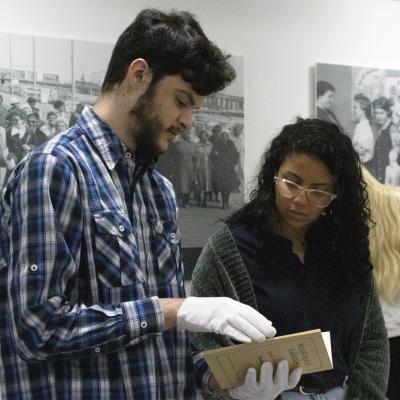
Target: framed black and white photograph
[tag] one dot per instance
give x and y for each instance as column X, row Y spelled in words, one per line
column 365, row 104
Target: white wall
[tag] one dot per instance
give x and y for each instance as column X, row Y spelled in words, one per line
column 280, row 39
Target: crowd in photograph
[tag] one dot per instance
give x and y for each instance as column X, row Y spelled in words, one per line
column 205, row 165
column 376, row 135
column 24, row 126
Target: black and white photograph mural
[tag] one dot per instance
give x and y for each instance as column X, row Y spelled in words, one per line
column 45, row 84
column 365, row 104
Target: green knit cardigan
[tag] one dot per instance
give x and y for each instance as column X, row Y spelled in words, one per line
column 220, row 271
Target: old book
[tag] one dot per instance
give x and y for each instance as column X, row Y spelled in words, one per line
column 310, row 350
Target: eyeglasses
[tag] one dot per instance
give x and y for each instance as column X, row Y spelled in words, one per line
column 317, row 198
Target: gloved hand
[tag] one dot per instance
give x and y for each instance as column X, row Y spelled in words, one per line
column 225, row 316
column 267, row 387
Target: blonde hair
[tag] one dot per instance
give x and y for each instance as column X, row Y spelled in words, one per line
column 384, row 236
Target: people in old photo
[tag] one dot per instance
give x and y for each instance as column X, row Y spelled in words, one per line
column 325, row 99
column 60, row 109
column 383, row 143
column 17, row 134
column 49, row 127
column 238, row 140
column 32, row 102
column 76, row 114
column 225, row 157
column 392, row 172
column 363, row 137
column 185, row 150
column 7, row 160
column 60, row 125
column 368, row 105
column 215, row 139
column 3, row 112
column 35, row 136
column 14, row 103
column 203, row 168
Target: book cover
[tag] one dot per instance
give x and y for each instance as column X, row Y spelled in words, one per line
column 310, row 350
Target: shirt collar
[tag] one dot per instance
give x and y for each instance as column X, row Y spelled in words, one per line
column 107, row 142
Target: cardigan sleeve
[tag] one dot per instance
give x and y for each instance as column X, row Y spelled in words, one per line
column 370, row 363
column 220, row 272
column 208, row 280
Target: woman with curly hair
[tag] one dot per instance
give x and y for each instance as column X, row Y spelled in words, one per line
column 385, row 256
column 298, row 252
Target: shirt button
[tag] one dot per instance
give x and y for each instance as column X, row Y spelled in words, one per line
column 143, row 324
column 173, row 238
column 97, row 349
column 121, row 228
column 34, row 267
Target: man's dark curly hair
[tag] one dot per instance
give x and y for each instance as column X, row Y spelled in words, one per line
column 340, row 237
column 172, row 44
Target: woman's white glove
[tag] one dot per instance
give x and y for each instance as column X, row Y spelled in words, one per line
column 267, row 387
column 225, row 316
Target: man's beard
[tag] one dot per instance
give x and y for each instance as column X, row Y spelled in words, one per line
column 148, row 126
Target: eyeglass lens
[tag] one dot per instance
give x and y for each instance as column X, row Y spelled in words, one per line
column 317, row 198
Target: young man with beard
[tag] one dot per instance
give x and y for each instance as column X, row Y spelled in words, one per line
column 91, row 278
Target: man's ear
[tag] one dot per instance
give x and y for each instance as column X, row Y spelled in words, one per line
column 139, row 74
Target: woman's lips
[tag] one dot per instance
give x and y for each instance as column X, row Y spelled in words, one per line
column 297, row 213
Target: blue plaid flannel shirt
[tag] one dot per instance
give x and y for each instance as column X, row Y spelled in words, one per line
column 89, row 243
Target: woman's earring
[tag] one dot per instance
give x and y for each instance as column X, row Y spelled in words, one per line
column 327, row 212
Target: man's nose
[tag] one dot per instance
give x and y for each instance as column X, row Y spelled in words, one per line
column 186, row 119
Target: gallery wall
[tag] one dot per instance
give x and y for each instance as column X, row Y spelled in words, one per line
column 281, row 41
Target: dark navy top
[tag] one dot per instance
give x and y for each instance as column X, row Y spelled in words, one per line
column 298, row 297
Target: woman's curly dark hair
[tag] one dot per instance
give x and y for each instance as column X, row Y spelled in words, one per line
column 341, row 234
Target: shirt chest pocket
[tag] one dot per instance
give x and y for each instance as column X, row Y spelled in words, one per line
column 115, row 254
column 166, row 250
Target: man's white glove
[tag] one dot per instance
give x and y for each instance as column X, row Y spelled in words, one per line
column 225, row 316
column 267, row 387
